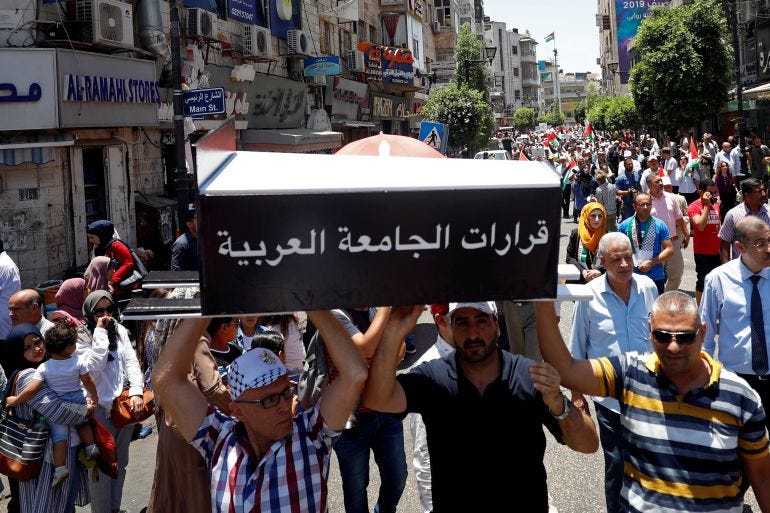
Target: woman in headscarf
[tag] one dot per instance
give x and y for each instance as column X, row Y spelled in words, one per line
column 25, row 351
column 98, row 274
column 101, row 235
column 69, row 300
column 110, row 375
column 584, row 240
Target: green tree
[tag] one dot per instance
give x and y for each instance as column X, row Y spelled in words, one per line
column 620, row 113
column 469, row 48
column 464, row 110
column 685, row 59
column 585, row 105
column 554, row 117
column 524, row 117
column 596, row 114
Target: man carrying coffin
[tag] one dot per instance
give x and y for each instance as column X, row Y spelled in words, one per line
column 483, row 410
column 262, row 458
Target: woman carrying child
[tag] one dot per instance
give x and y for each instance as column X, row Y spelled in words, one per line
column 63, row 372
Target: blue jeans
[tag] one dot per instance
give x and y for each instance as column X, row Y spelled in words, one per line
column 612, row 445
column 383, row 433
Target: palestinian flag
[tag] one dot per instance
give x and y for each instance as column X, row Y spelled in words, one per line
column 570, row 169
column 589, row 132
column 552, row 141
column 693, row 149
column 694, row 158
column 550, row 37
column 522, row 155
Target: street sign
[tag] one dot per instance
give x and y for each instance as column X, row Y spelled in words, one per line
column 434, row 135
column 199, row 103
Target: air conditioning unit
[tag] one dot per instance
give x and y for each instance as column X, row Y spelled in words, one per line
column 298, row 42
column 106, row 22
column 200, row 23
column 257, row 41
column 436, row 26
column 354, row 60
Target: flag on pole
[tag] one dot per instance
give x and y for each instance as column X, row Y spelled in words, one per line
column 589, row 132
column 693, row 149
column 570, row 168
column 694, row 158
column 552, row 141
column 550, row 37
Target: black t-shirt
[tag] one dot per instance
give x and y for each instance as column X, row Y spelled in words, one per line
column 486, row 452
column 225, row 358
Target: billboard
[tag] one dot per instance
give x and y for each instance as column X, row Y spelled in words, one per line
column 630, row 14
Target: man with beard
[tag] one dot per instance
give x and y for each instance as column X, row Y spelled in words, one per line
column 483, row 409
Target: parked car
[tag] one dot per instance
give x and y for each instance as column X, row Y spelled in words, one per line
column 493, row 154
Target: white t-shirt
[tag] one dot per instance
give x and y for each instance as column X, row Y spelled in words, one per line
column 62, row 376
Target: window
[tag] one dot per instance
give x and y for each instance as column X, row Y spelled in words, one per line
column 416, row 49
column 515, row 72
column 327, row 38
column 515, row 50
column 346, row 41
column 517, row 94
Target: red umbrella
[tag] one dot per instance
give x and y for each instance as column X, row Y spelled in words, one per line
column 387, row 145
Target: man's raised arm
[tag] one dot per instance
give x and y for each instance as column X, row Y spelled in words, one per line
column 575, row 374
column 342, row 394
column 181, row 399
column 382, row 392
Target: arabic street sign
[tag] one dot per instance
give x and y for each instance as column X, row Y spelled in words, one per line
column 199, row 103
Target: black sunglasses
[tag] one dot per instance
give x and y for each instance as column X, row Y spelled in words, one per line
column 273, row 399
column 682, row 337
column 105, row 310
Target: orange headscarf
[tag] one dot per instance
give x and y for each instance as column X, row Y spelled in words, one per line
column 588, row 236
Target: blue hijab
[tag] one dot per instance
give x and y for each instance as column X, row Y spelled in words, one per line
column 14, row 348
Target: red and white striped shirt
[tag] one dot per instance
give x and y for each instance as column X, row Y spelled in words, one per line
column 291, row 477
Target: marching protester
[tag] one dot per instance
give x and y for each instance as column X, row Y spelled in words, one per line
column 681, row 411
column 248, row 451
column 754, row 204
column 584, row 240
column 496, row 403
column 736, row 303
column 614, row 322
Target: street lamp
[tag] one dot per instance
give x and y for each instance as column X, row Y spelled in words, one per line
column 489, row 52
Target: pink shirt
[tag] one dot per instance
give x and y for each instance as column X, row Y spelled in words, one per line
column 666, row 209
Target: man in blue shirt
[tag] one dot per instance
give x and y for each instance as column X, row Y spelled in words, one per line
column 650, row 241
column 613, row 323
column 627, row 184
column 184, row 251
column 726, row 307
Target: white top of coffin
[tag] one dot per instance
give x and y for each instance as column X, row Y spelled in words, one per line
column 246, row 172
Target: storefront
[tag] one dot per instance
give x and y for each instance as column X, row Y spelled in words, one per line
column 390, row 113
column 90, row 143
column 348, row 102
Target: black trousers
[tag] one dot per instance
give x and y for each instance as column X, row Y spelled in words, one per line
column 762, row 385
column 566, row 195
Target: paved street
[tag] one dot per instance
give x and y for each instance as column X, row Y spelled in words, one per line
column 575, row 480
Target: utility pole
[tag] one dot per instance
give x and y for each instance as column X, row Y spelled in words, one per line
column 731, row 6
column 182, row 182
column 556, row 76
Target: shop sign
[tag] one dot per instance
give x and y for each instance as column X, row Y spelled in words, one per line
column 27, row 89
column 387, row 64
column 732, row 105
column 326, row 65
column 389, row 107
column 246, row 11
column 98, row 90
column 349, row 98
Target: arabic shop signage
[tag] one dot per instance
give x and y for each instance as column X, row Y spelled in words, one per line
column 376, row 248
column 326, row 65
column 386, row 106
column 349, row 98
column 387, row 64
column 204, row 102
column 27, row 89
column 98, row 90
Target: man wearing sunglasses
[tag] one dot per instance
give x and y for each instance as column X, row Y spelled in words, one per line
column 736, row 307
column 262, row 458
column 691, row 427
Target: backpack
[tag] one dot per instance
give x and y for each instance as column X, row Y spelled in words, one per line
column 140, row 271
column 315, row 373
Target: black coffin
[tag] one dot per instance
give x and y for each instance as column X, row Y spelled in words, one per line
column 289, row 232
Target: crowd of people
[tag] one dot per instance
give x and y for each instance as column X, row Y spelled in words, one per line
column 249, row 413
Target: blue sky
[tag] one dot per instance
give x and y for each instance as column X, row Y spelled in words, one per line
column 573, row 21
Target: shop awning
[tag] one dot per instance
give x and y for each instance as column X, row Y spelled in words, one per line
column 764, row 88
column 294, row 140
column 35, row 148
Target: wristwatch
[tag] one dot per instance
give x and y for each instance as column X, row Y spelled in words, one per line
column 567, row 409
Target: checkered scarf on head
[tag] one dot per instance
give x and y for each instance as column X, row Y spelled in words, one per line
column 253, row 369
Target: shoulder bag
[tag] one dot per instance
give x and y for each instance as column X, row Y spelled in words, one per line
column 22, row 442
column 123, row 415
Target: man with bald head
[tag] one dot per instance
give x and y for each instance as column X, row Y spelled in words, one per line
column 26, row 306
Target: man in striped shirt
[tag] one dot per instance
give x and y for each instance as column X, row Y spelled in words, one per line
column 691, row 427
column 262, row 458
